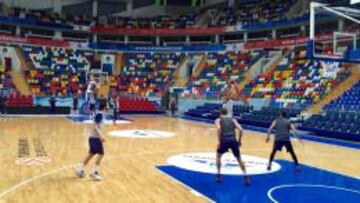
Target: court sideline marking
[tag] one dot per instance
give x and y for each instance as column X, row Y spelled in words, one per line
column 192, row 190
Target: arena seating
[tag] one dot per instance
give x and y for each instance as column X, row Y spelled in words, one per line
column 256, row 12
column 138, row 105
column 340, row 119
column 18, row 100
column 335, row 124
column 265, row 116
column 56, row 70
column 349, row 101
column 245, row 114
column 211, row 111
column 146, row 74
column 249, row 13
column 297, row 82
column 219, row 69
column 172, row 22
column 50, row 17
column 6, row 80
column 14, row 98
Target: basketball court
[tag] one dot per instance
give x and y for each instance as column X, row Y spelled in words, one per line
column 143, row 165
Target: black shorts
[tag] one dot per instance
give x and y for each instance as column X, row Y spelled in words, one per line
column 279, row 144
column 115, row 114
column 92, row 107
column 227, row 144
column 96, row 146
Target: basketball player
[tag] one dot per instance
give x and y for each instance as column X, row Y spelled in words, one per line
column 3, row 104
column 96, row 141
column 226, row 134
column 282, row 127
column 116, row 108
column 92, row 103
column 52, row 102
column 75, row 101
column 172, row 106
column 229, row 106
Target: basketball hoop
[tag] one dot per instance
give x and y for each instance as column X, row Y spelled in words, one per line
column 340, row 44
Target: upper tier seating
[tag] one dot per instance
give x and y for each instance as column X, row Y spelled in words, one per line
column 182, row 21
column 349, row 101
column 172, row 22
column 263, row 11
column 245, row 14
column 146, row 74
column 56, row 70
column 220, row 68
column 51, row 17
column 297, row 82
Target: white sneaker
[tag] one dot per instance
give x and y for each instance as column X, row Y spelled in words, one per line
column 96, row 176
column 80, row 173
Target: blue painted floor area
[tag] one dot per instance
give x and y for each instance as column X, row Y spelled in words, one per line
column 311, row 185
column 82, row 117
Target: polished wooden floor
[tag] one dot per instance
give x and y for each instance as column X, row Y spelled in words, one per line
column 129, row 164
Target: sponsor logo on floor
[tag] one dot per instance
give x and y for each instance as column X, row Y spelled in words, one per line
column 205, row 162
column 37, row 156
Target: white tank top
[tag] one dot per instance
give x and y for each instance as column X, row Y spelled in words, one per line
column 93, row 133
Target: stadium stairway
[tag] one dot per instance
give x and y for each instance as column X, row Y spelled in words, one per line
column 18, row 76
column 340, row 90
column 23, row 63
column 201, row 65
column 202, row 20
column 297, row 8
column 20, row 83
column 118, row 63
column 250, row 75
column 180, row 80
column 268, row 67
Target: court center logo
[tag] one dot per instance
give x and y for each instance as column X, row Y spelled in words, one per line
column 142, row 134
column 205, row 162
